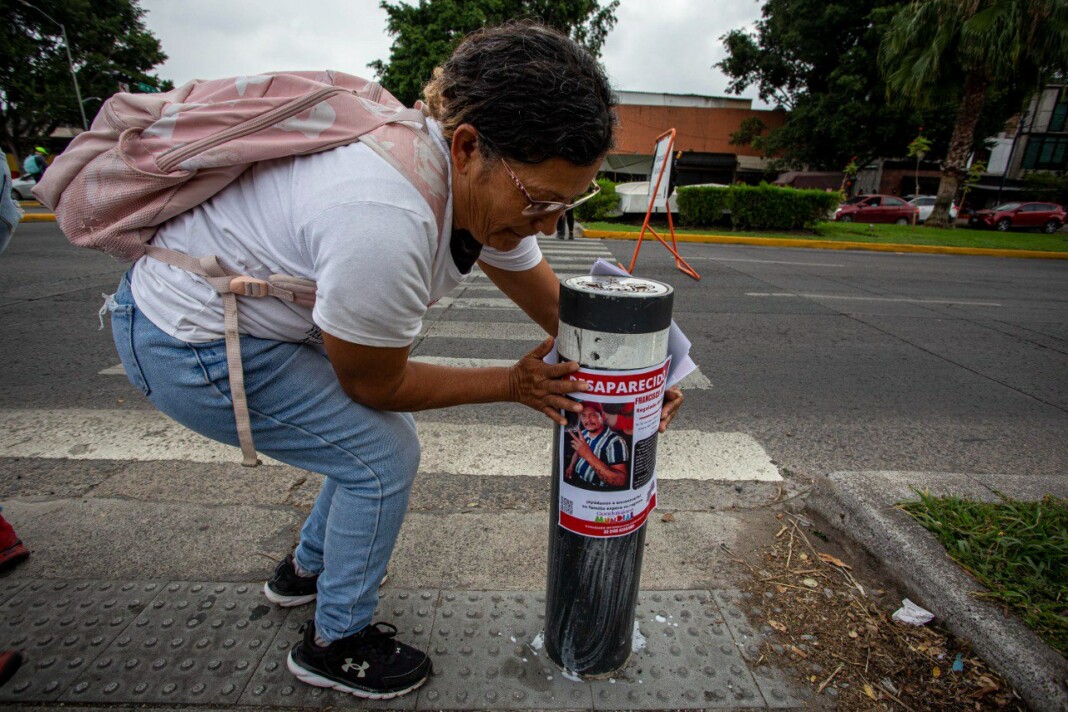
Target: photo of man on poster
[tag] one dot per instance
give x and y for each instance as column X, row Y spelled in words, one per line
column 600, row 457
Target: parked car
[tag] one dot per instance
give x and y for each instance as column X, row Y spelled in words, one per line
column 876, row 209
column 1047, row 217
column 926, row 205
column 21, row 187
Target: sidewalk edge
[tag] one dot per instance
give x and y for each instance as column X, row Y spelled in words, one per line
column 919, row 564
column 836, row 245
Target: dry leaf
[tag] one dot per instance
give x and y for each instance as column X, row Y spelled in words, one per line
column 668, row 517
column 777, row 626
column 869, row 691
column 835, row 561
column 986, row 686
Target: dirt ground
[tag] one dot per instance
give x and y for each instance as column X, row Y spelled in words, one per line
column 827, row 621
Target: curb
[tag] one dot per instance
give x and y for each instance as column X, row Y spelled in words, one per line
column 836, row 245
column 861, row 507
column 38, row 217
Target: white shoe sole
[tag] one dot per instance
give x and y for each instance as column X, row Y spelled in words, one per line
column 286, row 601
column 311, row 678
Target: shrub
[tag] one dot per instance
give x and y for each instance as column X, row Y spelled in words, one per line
column 604, row 205
column 702, row 207
column 761, row 207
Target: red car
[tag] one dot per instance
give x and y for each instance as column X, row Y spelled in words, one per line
column 1047, row 217
column 876, row 209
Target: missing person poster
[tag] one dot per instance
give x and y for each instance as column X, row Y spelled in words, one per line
column 608, row 451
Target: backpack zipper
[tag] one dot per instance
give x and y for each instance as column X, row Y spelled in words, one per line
column 180, row 153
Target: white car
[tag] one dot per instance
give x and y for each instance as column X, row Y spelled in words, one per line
column 926, row 205
column 21, row 187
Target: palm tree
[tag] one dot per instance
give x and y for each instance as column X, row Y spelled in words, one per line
column 971, row 48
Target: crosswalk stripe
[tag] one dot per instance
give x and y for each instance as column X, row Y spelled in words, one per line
column 581, row 253
column 476, row 303
column 482, row 275
column 463, row 449
column 504, row 331
column 694, row 381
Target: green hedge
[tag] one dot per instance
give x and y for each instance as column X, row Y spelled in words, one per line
column 604, row 205
column 760, row 207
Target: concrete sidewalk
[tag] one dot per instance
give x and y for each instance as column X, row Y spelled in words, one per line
column 145, row 587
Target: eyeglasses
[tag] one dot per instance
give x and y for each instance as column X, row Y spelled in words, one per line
column 541, row 208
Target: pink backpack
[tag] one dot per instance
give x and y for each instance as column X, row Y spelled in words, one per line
column 150, row 157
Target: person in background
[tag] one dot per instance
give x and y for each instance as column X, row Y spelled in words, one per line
column 35, row 164
column 566, row 220
column 12, row 550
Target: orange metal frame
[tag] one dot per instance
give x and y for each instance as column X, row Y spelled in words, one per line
column 673, row 248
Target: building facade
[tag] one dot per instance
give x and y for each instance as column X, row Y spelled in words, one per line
column 703, row 127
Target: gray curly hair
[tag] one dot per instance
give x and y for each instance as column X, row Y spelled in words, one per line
column 531, row 92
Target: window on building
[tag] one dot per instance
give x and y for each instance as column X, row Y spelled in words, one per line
column 1060, row 111
column 1046, row 153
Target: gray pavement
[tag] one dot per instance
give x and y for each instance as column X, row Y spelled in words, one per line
column 821, row 361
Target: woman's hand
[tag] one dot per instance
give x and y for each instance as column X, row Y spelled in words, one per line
column 544, row 386
column 672, row 402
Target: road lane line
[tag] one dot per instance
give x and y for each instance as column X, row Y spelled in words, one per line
column 456, row 448
column 766, row 262
column 873, row 299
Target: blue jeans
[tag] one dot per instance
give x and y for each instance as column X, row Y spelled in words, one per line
column 300, row 416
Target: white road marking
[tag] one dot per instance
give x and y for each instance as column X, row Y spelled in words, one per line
column 502, row 450
column 577, row 253
column 482, row 275
column 873, row 299
column 766, row 262
column 695, row 381
column 477, row 303
column 505, row 331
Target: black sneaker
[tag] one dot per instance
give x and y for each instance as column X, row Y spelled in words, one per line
column 286, row 588
column 369, row 664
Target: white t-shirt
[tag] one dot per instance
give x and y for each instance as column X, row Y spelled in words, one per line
column 346, row 219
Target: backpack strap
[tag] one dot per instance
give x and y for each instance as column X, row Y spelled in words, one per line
column 230, row 285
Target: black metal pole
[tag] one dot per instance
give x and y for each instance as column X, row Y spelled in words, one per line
column 607, row 324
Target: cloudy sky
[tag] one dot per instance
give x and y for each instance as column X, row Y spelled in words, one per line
column 665, row 46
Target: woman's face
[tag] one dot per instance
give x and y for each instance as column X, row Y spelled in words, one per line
column 488, row 203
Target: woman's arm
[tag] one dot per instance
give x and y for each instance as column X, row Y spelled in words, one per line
column 536, row 291
column 385, row 379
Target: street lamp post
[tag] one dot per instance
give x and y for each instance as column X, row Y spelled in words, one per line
column 70, row 61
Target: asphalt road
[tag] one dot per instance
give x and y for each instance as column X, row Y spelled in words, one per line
column 830, row 360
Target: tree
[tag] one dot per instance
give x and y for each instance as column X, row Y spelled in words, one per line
column 817, row 59
column 972, row 49
column 918, row 148
column 109, row 44
column 424, row 35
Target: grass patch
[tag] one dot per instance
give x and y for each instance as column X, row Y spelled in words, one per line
column 1019, row 550
column 885, row 234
